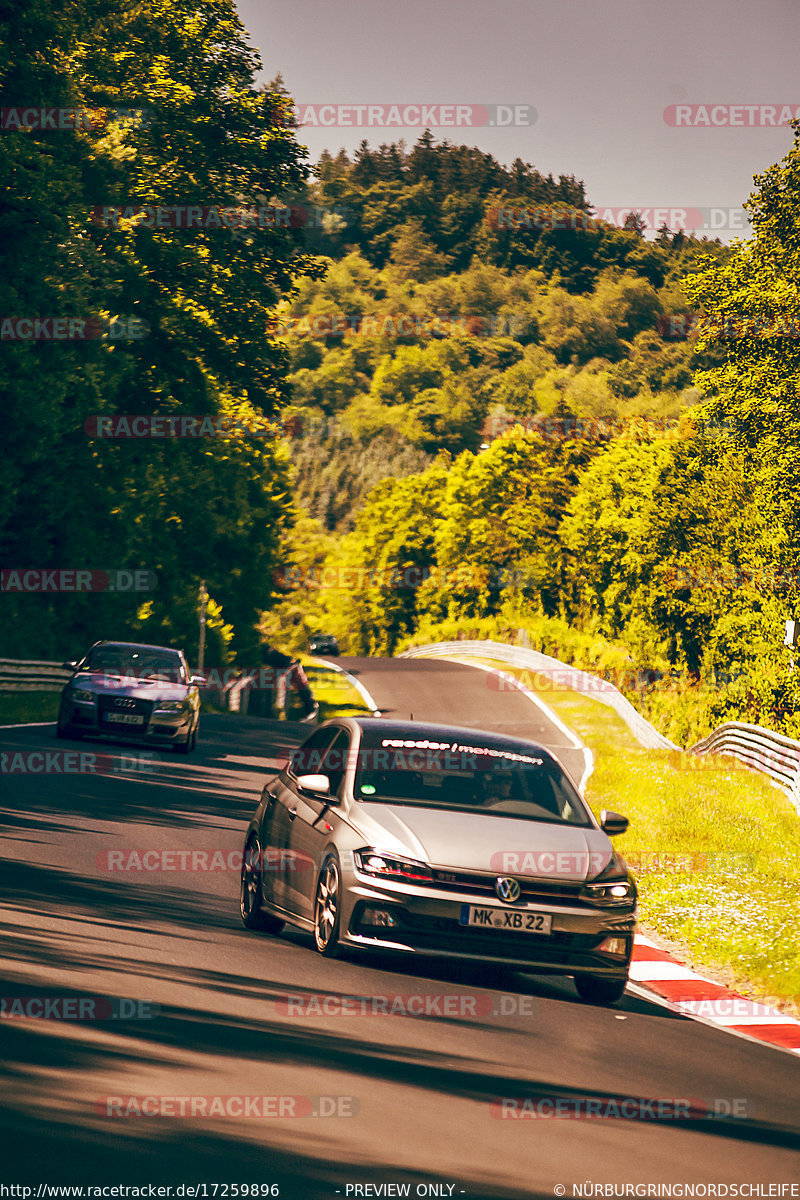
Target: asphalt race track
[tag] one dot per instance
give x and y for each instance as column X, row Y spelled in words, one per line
column 399, row 1099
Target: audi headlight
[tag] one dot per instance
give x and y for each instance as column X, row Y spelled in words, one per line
column 84, row 696
column 170, row 705
column 386, row 866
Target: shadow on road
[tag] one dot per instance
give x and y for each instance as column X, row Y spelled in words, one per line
column 53, row 1136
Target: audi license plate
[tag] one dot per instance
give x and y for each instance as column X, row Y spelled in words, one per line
column 505, row 918
column 124, row 719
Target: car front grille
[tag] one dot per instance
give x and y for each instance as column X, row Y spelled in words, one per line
column 534, row 891
column 559, row 948
column 108, row 705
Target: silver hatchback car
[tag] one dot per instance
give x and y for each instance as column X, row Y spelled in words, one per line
column 433, row 840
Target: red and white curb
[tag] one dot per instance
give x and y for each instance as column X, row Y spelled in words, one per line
column 684, row 991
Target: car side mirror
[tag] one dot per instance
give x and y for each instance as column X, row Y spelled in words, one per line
column 69, row 666
column 317, row 785
column 612, row 823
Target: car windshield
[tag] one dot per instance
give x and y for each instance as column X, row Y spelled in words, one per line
column 138, row 664
column 492, row 778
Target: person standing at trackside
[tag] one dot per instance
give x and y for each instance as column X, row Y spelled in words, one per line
column 295, row 677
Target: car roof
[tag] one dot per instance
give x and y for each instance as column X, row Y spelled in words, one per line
column 416, row 730
column 135, row 646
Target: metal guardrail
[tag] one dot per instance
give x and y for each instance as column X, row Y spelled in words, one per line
column 561, row 674
column 40, row 676
column 760, row 749
column 17, row 676
column 755, row 747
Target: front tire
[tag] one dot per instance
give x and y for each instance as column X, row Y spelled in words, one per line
column 253, row 916
column 66, row 731
column 595, row 989
column 327, row 908
column 190, row 743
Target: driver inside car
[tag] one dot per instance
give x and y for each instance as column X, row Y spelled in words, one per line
column 496, row 788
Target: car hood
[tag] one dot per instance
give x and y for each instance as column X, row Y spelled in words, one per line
column 480, row 842
column 124, row 685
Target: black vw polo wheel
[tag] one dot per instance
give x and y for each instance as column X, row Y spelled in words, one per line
column 253, row 916
column 327, row 908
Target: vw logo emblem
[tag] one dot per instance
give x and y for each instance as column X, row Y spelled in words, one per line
column 507, row 889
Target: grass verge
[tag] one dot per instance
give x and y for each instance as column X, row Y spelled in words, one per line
column 17, row 708
column 333, row 691
column 715, row 849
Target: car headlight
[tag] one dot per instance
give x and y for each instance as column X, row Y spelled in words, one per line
column 84, row 696
column 610, row 890
column 385, row 866
column 170, row 705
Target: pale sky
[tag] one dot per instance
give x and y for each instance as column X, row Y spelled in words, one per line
column 598, row 74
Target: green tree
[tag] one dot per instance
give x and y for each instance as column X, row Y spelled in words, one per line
column 187, row 510
column 382, row 565
column 751, row 309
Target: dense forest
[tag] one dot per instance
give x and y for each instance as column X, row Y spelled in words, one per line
column 160, row 112
column 461, row 297
column 613, row 444
column 448, row 397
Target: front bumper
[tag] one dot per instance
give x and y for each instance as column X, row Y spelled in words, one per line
column 428, row 924
column 154, row 728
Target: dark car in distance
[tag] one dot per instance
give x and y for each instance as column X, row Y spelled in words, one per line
column 323, row 643
column 133, row 692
